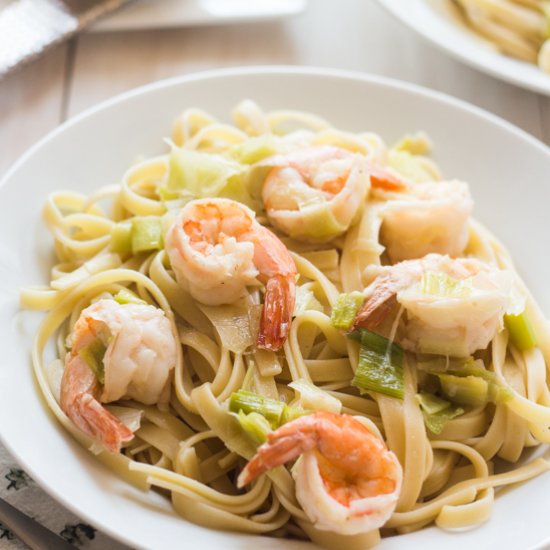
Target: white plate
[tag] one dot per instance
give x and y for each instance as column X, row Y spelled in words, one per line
column 508, row 171
column 146, row 14
column 438, row 21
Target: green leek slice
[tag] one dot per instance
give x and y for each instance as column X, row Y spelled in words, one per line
column 167, row 195
column 146, row 234
column 254, row 425
column 92, row 355
column 293, row 412
column 380, row 366
column 199, row 174
column 124, row 296
column 254, row 149
column 431, row 403
column 121, row 238
column 237, row 189
column 434, row 364
column 437, row 412
column 441, row 284
column 521, row 332
column 318, row 223
column 466, row 381
column 465, row 390
column 249, row 402
column 345, row 309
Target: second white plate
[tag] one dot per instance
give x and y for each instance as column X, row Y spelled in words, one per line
column 437, row 21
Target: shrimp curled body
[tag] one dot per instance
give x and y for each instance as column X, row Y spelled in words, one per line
column 347, row 481
column 315, row 194
column 457, row 313
column 217, row 249
column 140, row 352
column 429, row 217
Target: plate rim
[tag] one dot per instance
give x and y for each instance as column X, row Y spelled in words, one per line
column 350, row 75
column 390, row 8
column 313, row 70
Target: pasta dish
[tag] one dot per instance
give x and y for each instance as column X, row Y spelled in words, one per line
column 293, row 330
column 519, row 28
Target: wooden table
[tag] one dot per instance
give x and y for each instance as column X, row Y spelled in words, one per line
column 346, row 34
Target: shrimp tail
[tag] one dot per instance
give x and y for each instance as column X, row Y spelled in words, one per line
column 93, row 419
column 279, row 449
column 374, row 311
column 79, row 388
column 378, row 304
column 280, row 295
column 382, row 179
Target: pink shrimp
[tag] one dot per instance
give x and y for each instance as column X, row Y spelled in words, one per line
column 381, row 294
column 347, row 480
column 454, row 306
column 140, row 352
column 217, row 249
column 429, row 217
column 420, row 218
column 316, row 193
column 80, row 394
column 384, row 180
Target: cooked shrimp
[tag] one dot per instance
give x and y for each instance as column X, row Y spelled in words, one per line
column 347, row 481
column 385, row 180
column 217, row 249
column 140, row 352
column 453, row 306
column 429, row 217
column 316, row 193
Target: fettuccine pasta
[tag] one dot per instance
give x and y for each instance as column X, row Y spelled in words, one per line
column 519, row 28
column 282, row 292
